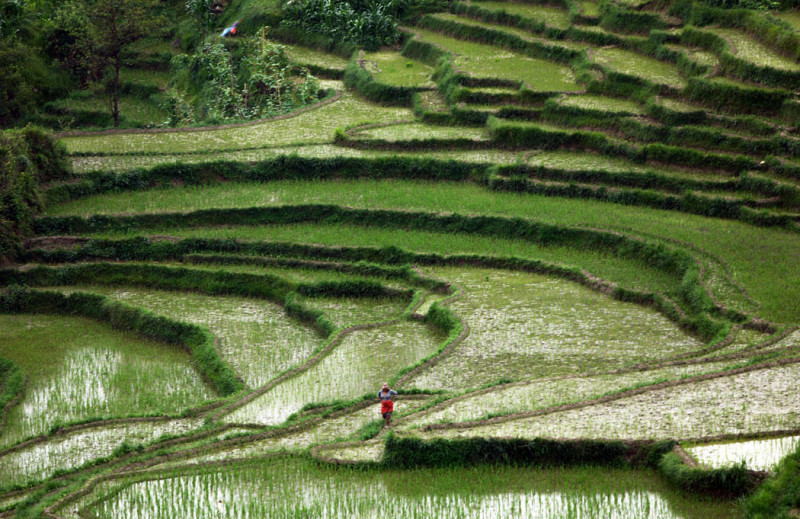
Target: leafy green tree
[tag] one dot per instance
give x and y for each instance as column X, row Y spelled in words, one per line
column 202, row 13
column 115, row 25
column 89, row 38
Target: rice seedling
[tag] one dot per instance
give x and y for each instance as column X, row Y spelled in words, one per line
column 626, row 272
column 313, row 126
column 351, row 311
column 628, row 62
column 433, row 101
column 358, row 365
column 750, row 49
column 75, row 449
column 329, row 431
column 395, row 69
column 761, row 258
column 256, row 337
column 791, row 17
column 702, row 57
column 78, row 369
column 525, row 326
column 552, row 16
column 544, row 393
column 602, row 103
column 589, row 8
column 756, row 454
column 305, row 55
column 484, row 61
column 411, row 131
column 753, row 402
column 279, row 488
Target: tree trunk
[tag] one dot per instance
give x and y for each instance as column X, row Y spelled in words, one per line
column 115, row 107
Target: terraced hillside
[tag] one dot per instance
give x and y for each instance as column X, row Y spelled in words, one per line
column 568, row 234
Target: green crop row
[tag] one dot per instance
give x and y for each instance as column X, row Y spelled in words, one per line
column 361, row 268
column 638, row 130
column 736, row 99
column 754, row 23
column 738, row 67
column 361, row 80
column 515, row 135
column 688, row 203
column 618, row 19
column 198, row 341
column 12, row 382
column 263, row 286
column 415, row 168
column 342, row 138
column 572, row 33
column 657, row 256
column 408, row 453
column 294, row 36
column 498, row 38
column 732, row 481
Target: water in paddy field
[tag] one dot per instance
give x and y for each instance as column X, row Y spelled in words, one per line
column 295, row 488
column 762, row 454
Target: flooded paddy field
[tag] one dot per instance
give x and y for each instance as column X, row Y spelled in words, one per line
column 256, row 337
column 524, row 326
column 754, row 402
column 80, row 369
column 358, row 366
column 291, row 487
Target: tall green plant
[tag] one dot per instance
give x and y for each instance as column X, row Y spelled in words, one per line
column 256, row 81
column 368, row 23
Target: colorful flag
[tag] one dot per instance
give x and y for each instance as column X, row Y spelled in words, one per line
column 231, row 29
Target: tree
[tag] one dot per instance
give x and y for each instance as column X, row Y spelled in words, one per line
column 114, row 25
column 202, row 13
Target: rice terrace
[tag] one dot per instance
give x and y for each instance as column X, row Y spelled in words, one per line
column 400, row 258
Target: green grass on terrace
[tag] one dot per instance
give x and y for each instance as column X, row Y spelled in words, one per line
column 395, row 69
column 313, row 126
column 750, row 49
column 486, row 61
column 304, row 55
column 122, row 163
column 763, row 259
column 589, row 9
column 629, row 62
column 703, row 57
column 552, row 16
column 628, row 273
column 517, row 31
column 791, row 17
column 402, row 132
column 603, row 103
column 132, row 108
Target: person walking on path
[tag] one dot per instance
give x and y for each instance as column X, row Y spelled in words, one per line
column 387, row 405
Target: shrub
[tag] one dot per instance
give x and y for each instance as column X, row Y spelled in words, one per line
column 28, row 158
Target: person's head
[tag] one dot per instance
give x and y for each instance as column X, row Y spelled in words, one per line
column 385, row 387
